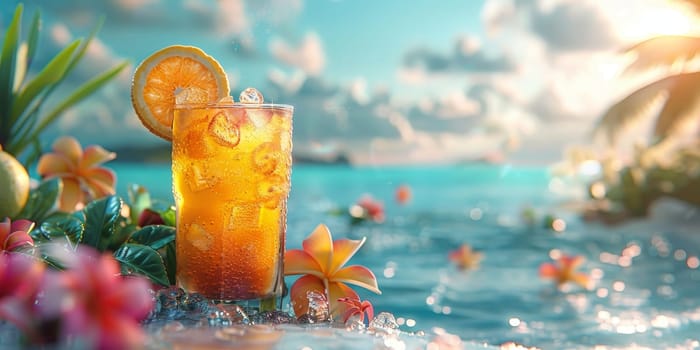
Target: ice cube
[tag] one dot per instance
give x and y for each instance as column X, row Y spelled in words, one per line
column 191, row 95
column 251, row 96
column 319, row 309
column 272, row 189
column 224, row 129
column 259, row 116
column 199, row 237
column 201, row 179
column 227, row 315
column 243, row 215
column 265, row 158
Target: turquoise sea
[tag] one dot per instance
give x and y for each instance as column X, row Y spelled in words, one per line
column 647, row 290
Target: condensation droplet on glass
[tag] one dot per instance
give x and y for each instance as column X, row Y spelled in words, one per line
column 251, row 96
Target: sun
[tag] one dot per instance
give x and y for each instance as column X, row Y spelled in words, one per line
column 659, row 20
column 669, row 21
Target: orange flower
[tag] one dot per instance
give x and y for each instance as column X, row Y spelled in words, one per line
column 15, row 235
column 357, row 308
column 564, row 271
column 465, row 258
column 403, row 194
column 83, row 180
column 321, row 262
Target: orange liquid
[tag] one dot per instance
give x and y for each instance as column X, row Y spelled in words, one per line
column 231, row 178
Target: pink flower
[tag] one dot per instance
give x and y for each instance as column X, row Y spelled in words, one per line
column 20, row 281
column 368, row 208
column 101, row 307
column 15, row 235
column 357, row 307
column 83, row 180
column 321, row 262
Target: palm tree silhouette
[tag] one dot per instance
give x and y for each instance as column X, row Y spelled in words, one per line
column 673, row 170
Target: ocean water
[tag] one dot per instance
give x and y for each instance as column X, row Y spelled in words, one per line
column 647, row 283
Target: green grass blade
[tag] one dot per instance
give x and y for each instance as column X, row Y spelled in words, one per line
column 33, row 38
column 51, row 74
column 8, row 59
column 79, row 94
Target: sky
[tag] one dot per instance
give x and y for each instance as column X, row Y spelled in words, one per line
column 388, row 82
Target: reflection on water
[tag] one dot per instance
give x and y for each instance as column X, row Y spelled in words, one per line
column 646, row 273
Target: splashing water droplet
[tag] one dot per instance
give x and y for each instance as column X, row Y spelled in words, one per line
column 251, row 96
column 384, row 322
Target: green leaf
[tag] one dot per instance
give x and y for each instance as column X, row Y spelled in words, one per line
column 122, row 232
column 142, row 260
column 41, row 200
column 49, row 75
column 154, row 236
column 33, row 38
column 166, row 212
column 171, row 262
column 63, row 226
column 100, row 221
column 78, row 95
column 8, row 60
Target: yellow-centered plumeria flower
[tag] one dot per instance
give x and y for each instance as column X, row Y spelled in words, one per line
column 83, row 179
column 321, row 262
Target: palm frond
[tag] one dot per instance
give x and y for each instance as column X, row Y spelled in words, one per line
column 681, row 107
column 630, row 110
column 680, row 94
column 664, row 50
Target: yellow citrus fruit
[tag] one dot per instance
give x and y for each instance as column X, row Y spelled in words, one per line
column 14, row 185
column 168, row 71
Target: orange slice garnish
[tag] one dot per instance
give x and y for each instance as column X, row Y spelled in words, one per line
column 163, row 74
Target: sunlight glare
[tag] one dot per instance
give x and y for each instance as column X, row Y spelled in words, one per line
column 665, row 20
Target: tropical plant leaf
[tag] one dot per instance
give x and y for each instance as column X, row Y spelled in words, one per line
column 142, row 260
column 8, row 60
column 52, row 73
column 631, row 110
column 170, row 262
column 166, row 212
column 682, row 106
column 154, row 236
column 63, row 226
column 33, row 38
column 100, row 220
column 41, row 200
column 665, row 50
column 78, row 95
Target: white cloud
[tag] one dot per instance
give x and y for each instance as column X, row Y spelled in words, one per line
column 308, row 55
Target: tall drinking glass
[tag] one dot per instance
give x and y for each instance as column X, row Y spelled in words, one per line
column 231, row 166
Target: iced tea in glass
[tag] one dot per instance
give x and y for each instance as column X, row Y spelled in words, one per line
column 231, row 166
